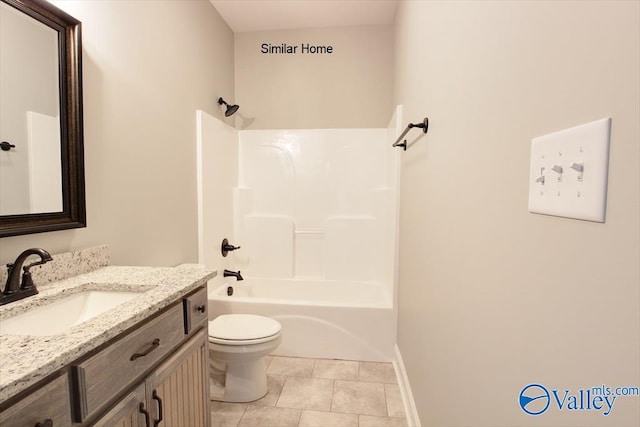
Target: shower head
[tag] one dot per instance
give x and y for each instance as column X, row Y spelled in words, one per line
column 230, row 108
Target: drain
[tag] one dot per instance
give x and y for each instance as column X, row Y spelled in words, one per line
column 229, row 291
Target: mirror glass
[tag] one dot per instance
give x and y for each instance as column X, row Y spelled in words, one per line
column 31, row 170
column 41, row 138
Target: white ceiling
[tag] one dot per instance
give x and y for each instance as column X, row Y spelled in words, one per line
column 261, row 15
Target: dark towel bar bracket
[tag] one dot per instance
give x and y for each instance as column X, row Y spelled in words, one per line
column 424, row 126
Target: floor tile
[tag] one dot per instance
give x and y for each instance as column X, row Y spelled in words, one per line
column 336, row 369
column 377, row 372
column 318, row 393
column 226, row 414
column 291, row 366
column 395, row 407
column 369, row 421
column 354, row 397
column 306, row 393
column 264, row 416
column 274, row 385
column 327, row 419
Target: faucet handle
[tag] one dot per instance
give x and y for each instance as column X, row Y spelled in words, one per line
column 27, row 281
column 226, row 247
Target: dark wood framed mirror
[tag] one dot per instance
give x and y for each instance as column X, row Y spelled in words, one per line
column 68, row 209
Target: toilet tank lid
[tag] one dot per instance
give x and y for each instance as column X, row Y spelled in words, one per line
column 243, row 327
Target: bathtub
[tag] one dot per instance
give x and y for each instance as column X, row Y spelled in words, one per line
column 320, row 319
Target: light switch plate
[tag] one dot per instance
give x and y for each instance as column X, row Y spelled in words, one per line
column 569, row 171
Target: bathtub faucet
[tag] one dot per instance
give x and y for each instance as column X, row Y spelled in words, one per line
column 228, row 273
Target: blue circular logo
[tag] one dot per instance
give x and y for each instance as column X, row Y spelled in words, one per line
column 534, row 399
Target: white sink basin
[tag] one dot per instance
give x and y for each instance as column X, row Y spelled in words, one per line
column 61, row 315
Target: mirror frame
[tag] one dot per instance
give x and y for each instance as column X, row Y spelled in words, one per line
column 73, row 213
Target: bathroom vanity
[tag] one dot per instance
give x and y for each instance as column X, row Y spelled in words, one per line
column 142, row 363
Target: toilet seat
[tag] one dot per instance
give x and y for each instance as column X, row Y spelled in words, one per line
column 242, row 329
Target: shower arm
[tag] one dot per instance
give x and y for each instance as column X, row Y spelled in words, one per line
column 424, row 126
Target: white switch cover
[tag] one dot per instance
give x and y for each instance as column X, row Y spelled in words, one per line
column 569, row 171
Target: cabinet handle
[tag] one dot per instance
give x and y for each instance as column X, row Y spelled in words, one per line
column 156, row 397
column 46, row 423
column 147, row 418
column 201, row 308
column 155, row 344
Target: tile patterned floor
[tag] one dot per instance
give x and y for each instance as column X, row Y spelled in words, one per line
column 319, row 393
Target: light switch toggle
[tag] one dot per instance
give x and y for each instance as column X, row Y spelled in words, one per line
column 578, row 167
column 558, row 169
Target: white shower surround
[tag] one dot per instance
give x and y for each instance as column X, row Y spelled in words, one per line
column 315, row 212
column 317, row 204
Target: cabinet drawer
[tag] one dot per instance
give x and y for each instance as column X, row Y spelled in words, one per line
column 49, row 402
column 195, row 310
column 107, row 374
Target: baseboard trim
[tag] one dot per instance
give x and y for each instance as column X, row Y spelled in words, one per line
column 405, row 390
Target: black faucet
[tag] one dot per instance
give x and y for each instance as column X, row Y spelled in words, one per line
column 228, row 273
column 14, row 290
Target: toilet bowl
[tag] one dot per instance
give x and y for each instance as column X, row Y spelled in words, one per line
column 239, row 342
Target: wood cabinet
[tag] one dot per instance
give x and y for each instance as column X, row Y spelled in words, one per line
column 111, row 371
column 180, row 386
column 130, row 411
column 175, row 394
column 49, row 405
column 154, row 375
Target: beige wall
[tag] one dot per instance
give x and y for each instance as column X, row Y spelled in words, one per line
column 348, row 88
column 491, row 297
column 148, row 66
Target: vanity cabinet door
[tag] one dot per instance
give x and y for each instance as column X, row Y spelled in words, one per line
column 179, row 389
column 48, row 406
column 131, row 411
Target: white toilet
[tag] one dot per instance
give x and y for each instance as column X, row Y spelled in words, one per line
column 240, row 341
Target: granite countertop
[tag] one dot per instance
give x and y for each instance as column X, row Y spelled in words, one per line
column 28, row 359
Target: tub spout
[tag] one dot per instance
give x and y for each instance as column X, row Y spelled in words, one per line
column 237, row 275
